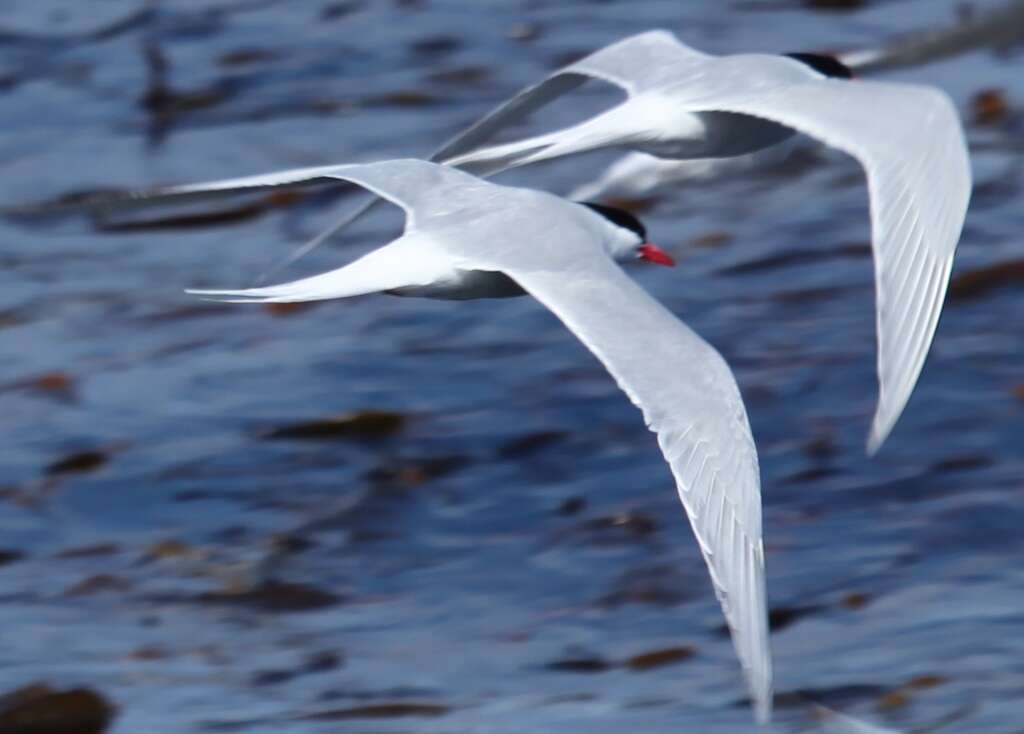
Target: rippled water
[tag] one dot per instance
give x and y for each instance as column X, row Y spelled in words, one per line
column 496, row 546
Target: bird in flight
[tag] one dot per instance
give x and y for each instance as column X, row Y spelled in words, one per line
column 684, row 104
column 467, row 238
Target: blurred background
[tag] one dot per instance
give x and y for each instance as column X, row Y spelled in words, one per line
column 399, row 515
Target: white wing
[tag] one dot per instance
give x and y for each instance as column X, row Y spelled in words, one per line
column 411, row 184
column 634, row 64
column 911, row 144
column 690, row 400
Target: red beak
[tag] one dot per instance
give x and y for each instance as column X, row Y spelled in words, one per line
column 654, row 254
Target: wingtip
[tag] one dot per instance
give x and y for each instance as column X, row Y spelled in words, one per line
column 764, row 694
column 880, row 429
column 872, row 445
column 221, row 296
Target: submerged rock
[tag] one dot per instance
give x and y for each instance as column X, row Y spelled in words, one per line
column 39, row 709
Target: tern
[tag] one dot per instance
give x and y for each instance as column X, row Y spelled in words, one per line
column 467, row 238
column 684, row 104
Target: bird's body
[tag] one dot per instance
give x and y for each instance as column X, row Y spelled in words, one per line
column 465, row 238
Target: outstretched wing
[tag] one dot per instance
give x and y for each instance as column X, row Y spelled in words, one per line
column 690, row 400
column 188, row 193
column 408, row 183
column 911, row 144
column 632, row 64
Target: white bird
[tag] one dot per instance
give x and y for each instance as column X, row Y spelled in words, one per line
column 684, row 104
column 466, row 238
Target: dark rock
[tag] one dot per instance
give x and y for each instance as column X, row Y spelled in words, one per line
column 98, row 584
column 148, row 653
column 976, row 283
column 659, row 585
column 572, row 506
column 580, row 665
column 10, row 556
column 341, row 9
column 321, row 662
column 659, row 658
column 856, row 600
column 780, row 618
column 412, row 472
column 404, row 98
column 83, row 461
column 990, row 107
column 169, row 548
column 366, row 425
column 275, row 596
column 245, row 56
column 460, row 75
column 962, row 463
column 270, row 677
column 633, row 524
column 530, row 444
column 39, row 709
column 88, row 551
column 845, row 5
column 436, row 45
column 379, row 711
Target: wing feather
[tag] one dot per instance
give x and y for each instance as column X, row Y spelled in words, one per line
column 689, row 398
column 407, row 183
column 911, row 145
column 632, row 64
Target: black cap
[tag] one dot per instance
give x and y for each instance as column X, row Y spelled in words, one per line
column 823, row 64
column 620, row 217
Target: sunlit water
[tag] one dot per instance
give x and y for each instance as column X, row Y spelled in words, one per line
column 493, row 557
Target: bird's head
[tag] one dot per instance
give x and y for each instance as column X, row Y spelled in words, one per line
column 824, row 64
column 630, row 236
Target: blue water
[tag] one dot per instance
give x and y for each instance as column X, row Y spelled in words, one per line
column 494, row 561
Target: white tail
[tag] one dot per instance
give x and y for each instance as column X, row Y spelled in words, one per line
column 393, row 266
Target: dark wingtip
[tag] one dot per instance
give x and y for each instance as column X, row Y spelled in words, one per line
column 830, row 66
